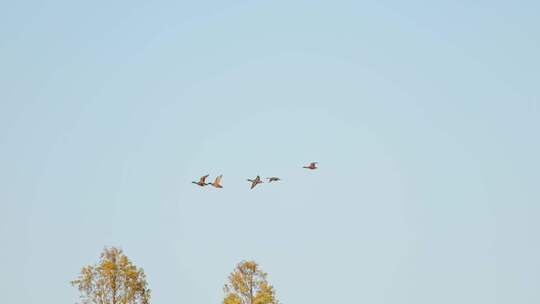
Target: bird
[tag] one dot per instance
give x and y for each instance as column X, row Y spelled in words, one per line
column 201, row 181
column 273, row 179
column 217, row 182
column 311, row 166
column 255, row 182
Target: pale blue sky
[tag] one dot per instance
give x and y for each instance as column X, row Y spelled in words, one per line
column 424, row 116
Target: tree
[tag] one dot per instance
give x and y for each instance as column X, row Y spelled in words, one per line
column 114, row 280
column 247, row 285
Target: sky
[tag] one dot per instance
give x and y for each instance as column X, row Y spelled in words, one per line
column 423, row 115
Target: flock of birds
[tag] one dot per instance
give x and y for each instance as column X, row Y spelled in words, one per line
column 254, row 182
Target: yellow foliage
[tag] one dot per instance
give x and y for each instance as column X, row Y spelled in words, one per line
column 114, row 280
column 247, row 285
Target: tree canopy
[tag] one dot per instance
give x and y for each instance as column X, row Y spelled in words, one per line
column 247, row 284
column 113, row 280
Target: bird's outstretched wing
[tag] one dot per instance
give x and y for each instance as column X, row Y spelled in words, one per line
column 203, row 178
column 218, row 179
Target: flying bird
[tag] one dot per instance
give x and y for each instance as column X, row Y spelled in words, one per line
column 201, row 181
column 311, row 166
column 217, row 182
column 255, row 182
column 273, row 179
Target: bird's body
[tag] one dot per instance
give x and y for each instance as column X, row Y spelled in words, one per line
column 255, row 182
column 217, row 182
column 273, row 179
column 201, row 181
column 311, row 166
